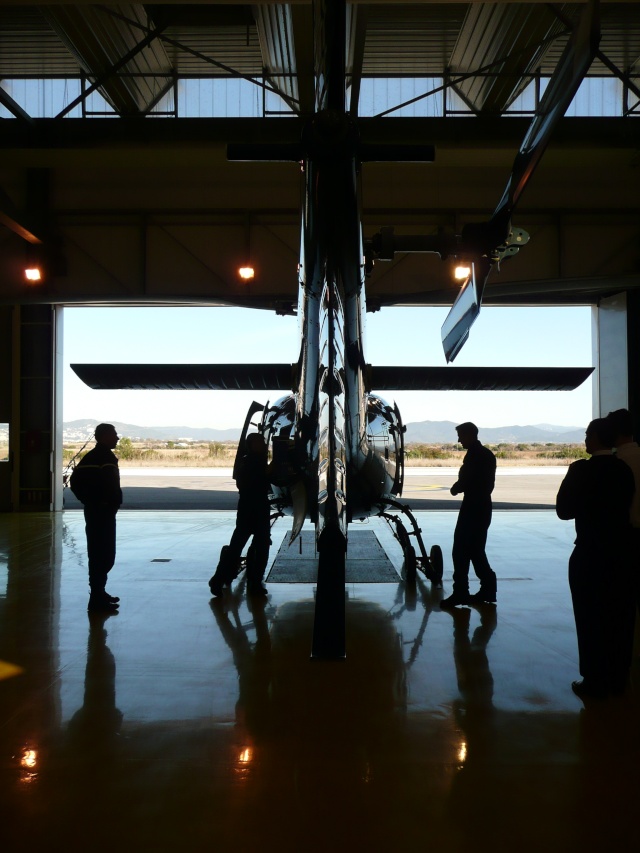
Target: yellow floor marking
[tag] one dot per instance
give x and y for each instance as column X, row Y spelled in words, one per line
column 7, row 670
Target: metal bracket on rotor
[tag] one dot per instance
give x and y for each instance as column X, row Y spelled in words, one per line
column 517, row 238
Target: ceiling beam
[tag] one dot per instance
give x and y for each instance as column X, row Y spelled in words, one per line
column 498, row 133
column 357, row 34
column 15, row 221
column 13, row 106
column 302, row 23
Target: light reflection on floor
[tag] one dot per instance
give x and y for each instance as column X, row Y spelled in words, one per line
column 187, row 724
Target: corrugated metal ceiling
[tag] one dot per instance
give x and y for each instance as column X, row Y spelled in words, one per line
column 409, row 39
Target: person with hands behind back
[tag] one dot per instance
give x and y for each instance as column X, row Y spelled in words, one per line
column 95, row 481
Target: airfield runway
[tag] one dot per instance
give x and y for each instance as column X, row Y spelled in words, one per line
column 424, row 488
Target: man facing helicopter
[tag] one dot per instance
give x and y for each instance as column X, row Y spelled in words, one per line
column 253, row 519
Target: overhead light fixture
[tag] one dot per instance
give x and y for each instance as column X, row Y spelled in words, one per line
column 33, row 274
column 462, row 272
column 246, row 273
column 34, row 268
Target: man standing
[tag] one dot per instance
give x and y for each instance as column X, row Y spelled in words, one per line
column 597, row 493
column 476, row 480
column 253, row 519
column 627, row 449
column 96, row 483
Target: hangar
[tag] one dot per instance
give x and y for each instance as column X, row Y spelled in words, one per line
column 114, row 173
column 114, row 179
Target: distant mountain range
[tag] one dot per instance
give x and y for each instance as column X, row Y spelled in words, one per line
column 444, row 432
column 83, row 430
column 423, row 432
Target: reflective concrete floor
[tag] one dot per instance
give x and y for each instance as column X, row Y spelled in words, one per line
column 183, row 725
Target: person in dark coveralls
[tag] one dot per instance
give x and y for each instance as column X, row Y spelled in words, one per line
column 253, row 519
column 96, row 483
column 628, row 450
column 476, row 480
column 597, row 493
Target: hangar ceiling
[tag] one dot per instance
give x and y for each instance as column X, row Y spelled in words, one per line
column 134, row 200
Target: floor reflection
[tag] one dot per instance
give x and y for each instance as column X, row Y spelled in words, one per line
column 192, row 724
column 97, row 723
column 250, row 645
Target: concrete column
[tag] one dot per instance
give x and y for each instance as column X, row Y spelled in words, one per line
column 633, row 357
column 611, row 356
column 6, row 405
column 36, row 413
column 58, row 372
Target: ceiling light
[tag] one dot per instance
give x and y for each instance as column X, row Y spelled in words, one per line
column 246, row 273
column 462, row 272
column 33, row 274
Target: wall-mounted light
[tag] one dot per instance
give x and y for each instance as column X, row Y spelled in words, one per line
column 246, row 271
column 34, row 270
column 44, row 261
column 32, row 274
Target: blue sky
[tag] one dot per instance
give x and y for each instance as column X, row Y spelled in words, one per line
column 395, row 336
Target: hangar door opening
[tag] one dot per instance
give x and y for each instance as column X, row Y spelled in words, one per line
column 162, row 431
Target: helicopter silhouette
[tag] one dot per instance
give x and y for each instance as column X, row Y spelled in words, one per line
column 337, row 446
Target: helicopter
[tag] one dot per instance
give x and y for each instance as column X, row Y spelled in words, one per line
column 337, row 446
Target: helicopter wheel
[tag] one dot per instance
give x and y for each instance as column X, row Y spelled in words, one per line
column 437, row 564
column 410, row 564
column 409, row 554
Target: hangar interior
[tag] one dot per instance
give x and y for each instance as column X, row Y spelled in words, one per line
column 114, row 174
column 115, row 121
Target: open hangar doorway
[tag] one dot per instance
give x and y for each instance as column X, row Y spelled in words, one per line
column 555, row 336
column 33, row 464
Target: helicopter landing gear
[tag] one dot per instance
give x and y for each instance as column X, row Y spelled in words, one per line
column 437, row 563
column 431, row 565
column 408, row 552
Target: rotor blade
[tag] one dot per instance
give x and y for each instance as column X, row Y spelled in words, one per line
column 187, row 377
column 465, row 309
column 478, row 378
column 490, row 241
column 563, row 85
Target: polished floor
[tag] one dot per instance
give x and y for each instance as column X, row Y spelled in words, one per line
column 180, row 724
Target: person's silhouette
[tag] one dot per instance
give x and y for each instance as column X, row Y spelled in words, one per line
column 628, row 450
column 253, row 519
column 476, row 480
column 95, row 481
column 477, row 724
column 251, row 659
column 597, row 493
column 98, row 721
